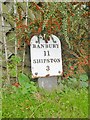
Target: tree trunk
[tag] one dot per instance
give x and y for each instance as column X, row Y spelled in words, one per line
column 15, row 11
column 24, row 42
column 5, row 47
column 0, row 67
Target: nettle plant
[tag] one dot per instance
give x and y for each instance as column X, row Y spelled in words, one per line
column 12, row 65
column 68, row 21
column 24, row 85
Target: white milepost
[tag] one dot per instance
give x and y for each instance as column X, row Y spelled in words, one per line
column 46, row 60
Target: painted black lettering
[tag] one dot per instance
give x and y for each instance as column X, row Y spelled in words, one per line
column 48, row 60
column 51, row 60
column 50, row 45
column 42, row 45
column 47, row 68
column 46, row 53
column 34, row 46
column 57, row 45
column 34, row 61
column 58, row 60
column 38, row 46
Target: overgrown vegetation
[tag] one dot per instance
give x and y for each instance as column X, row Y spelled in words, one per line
column 71, row 103
column 26, row 100
column 68, row 21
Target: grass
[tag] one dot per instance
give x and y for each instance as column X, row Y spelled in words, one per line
column 71, row 103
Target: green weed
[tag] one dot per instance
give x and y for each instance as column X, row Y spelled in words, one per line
column 71, row 103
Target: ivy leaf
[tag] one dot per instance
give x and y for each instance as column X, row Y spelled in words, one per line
column 27, row 85
column 23, row 79
column 83, row 77
column 84, row 84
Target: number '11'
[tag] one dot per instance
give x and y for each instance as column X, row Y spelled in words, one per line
column 46, row 53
